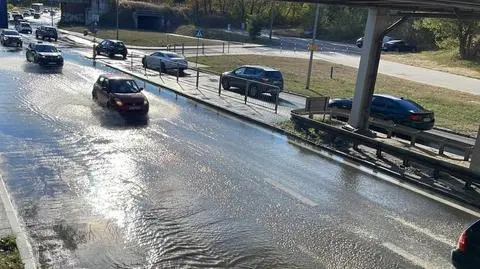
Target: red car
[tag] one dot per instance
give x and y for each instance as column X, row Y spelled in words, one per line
column 120, row 93
column 467, row 253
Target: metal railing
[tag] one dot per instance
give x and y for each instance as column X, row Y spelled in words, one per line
column 466, row 175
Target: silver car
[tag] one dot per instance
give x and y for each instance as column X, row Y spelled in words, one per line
column 165, row 60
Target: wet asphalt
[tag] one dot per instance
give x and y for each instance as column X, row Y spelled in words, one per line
column 191, row 187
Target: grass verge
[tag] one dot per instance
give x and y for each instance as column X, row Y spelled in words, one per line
column 442, row 60
column 144, row 38
column 9, row 254
column 453, row 110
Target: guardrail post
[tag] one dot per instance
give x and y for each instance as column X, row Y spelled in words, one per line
column 277, row 97
column 174, row 47
column 220, row 85
column 223, row 48
column 183, row 48
column 228, row 48
column 178, row 72
column 406, row 162
column 198, row 76
column 246, row 91
column 131, row 61
column 203, row 48
column 379, row 152
column 331, row 72
column 475, row 153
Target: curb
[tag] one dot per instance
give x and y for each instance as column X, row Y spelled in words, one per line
column 23, row 245
column 454, row 132
column 333, row 154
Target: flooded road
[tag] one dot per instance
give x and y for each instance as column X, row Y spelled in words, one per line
column 192, row 188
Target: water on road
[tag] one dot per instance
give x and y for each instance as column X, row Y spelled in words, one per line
column 192, row 187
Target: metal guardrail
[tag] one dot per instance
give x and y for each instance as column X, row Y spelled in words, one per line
column 414, row 134
column 438, row 166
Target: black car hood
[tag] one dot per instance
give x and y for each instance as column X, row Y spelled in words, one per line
column 130, row 97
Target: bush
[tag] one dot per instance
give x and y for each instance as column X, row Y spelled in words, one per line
column 254, row 25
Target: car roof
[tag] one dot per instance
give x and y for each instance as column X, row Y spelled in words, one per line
column 265, row 68
column 391, row 97
column 112, row 76
column 395, row 41
column 114, row 40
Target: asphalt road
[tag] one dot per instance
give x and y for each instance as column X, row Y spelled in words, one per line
column 193, row 187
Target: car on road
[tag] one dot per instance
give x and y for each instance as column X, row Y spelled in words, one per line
column 112, row 48
column 44, row 32
column 44, row 54
column 17, row 17
column 23, row 27
column 359, row 41
column 467, row 253
column 26, row 14
column 260, row 79
column 10, row 37
column 391, row 108
column 399, row 46
column 36, row 15
column 120, row 93
column 165, row 60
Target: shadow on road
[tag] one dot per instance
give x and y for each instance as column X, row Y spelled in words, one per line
column 114, row 120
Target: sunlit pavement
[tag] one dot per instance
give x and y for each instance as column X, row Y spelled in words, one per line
column 192, row 187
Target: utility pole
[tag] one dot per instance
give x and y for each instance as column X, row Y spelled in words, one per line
column 117, row 17
column 312, row 47
column 272, row 10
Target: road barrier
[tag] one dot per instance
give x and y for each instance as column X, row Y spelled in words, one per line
column 461, row 173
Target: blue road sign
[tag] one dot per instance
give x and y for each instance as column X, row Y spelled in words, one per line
column 199, row 33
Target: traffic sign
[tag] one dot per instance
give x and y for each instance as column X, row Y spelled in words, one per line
column 312, row 47
column 199, row 33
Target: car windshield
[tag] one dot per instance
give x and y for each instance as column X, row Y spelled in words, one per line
column 10, row 33
column 45, row 48
column 25, row 25
column 49, row 29
column 124, row 86
column 119, row 44
column 171, row 55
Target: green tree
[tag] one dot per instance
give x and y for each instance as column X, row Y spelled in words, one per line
column 255, row 23
column 450, row 33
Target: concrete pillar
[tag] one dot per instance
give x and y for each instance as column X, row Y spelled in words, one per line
column 367, row 71
column 3, row 14
column 475, row 163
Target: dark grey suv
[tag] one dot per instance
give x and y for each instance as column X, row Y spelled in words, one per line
column 270, row 80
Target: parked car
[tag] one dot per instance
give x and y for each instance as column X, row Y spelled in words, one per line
column 111, row 48
column 359, row 41
column 164, row 60
column 44, row 54
column 399, row 46
column 267, row 77
column 44, row 32
column 10, row 37
column 467, row 253
column 397, row 109
column 120, row 93
column 23, row 27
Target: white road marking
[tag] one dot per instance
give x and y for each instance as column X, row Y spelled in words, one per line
column 291, row 192
column 424, row 231
column 308, row 252
column 405, row 254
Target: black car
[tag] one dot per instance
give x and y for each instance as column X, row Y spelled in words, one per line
column 112, row 48
column 10, row 38
column 17, row 17
column 44, row 32
column 397, row 109
column 398, row 46
column 467, row 253
column 120, row 93
column 44, row 54
column 248, row 74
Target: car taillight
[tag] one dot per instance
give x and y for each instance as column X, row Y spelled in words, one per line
column 416, row 117
column 462, row 241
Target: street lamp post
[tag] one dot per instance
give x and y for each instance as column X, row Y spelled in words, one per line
column 312, row 47
column 117, row 16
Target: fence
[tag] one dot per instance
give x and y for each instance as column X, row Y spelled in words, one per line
column 245, row 90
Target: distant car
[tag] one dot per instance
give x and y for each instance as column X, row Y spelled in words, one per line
column 36, row 15
column 397, row 109
column 10, row 37
column 17, row 16
column 45, row 11
column 112, row 48
column 467, row 253
column 44, row 32
column 399, row 46
column 164, row 60
column 359, row 41
column 120, row 93
column 44, row 54
column 32, row 11
column 26, row 13
column 267, row 77
column 23, row 27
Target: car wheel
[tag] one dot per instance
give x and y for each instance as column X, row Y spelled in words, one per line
column 253, row 90
column 162, row 67
column 124, row 56
column 414, row 50
column 20, row 44
column 226, row 84
column 274, row 96
column 94, row 96
column 56, row 38
column 110, row 55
